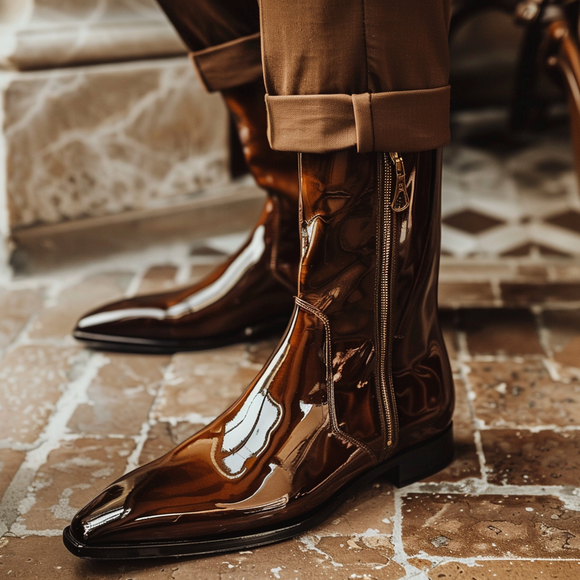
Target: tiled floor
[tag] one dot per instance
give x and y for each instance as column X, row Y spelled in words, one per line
column 509, row 196
column 72, row 420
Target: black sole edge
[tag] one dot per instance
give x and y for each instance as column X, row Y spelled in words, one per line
column 149, row 346
column 412, row 465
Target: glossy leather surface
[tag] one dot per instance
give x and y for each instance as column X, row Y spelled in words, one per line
column 316, row 416
column 422, row 376
column 252, row 292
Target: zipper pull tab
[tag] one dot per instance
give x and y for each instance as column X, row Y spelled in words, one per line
column 401, row 199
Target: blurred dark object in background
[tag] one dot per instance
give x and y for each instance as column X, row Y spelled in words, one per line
column 499, row 57
column 520, row 56
column 485, row 45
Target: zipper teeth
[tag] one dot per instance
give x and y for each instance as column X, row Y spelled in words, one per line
column 385, row 373
column 303, row 237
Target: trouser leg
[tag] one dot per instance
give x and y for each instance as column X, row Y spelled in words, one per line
column 223, row 37
column 370, row 73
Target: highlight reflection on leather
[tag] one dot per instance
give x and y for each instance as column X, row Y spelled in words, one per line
column 252, row 293
column 313, row 420
column 207, row 296
column 422, row 376
column 285, row 460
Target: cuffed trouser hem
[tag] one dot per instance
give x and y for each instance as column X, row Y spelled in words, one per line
column 401, row 121
column 230, row 64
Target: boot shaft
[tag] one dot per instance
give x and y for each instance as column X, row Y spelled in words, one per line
column 421, row 372
column 273, row 170
column 370, row 229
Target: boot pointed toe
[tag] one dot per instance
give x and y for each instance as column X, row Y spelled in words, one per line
column 248, row 297
column 98, row 520
column 137, row 322
column 118, row 319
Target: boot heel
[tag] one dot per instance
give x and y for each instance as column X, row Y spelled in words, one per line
column 423, row 461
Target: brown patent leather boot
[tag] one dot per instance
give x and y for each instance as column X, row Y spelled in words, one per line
column 359, row 386
column 251, row 295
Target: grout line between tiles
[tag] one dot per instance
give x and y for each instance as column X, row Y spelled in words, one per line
column 74, row 393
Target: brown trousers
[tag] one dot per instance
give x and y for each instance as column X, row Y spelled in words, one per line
column 366, row 73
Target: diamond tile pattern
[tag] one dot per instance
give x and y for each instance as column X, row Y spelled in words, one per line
column 529, row 249
column 471, row 221
column 502, row 200
column 569, row 220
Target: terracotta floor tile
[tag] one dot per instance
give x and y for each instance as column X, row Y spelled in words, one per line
column 462, row 418
column 469, row 270
column 517, row 294
column 466, row 462
column 563, row 326
column 564, row 335
column 462, row 526
column 313, row 559
column 447, row 319
column 10, row 461
column 524, row 458
column 16, row 309
column 536, row 273
column 569, row 356
column 73, row 475
column 158, row 279
column 38, row 558
column 205, row 383
column 32, row 379
column 499, row 331
column 345, row 550
column 454, row 294
column 42, row 558
column 504, row 570
column 59, row 320
column 121, row 395
column 372, row 508
column 569, row 272
column 199, row 271
column 516, row 394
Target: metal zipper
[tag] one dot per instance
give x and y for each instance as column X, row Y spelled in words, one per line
column 401, row 199
column 392, row 167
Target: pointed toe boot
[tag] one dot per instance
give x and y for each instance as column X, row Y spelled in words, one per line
column 248, row 297
column 359, row 386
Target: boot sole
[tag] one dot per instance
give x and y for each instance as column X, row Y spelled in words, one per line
column 412, row 465
column 159, row 346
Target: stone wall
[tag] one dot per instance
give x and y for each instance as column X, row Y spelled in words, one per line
column 100, row 113
column 48, row 33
